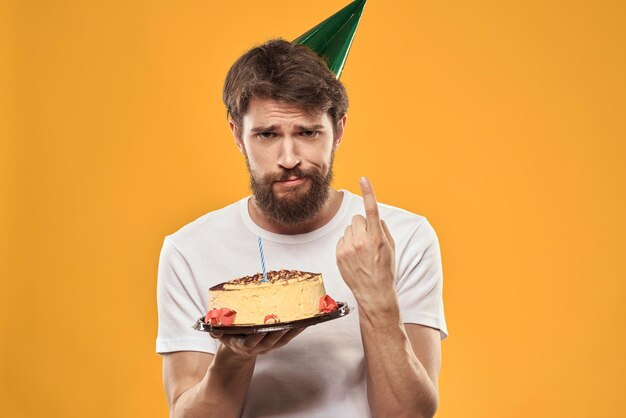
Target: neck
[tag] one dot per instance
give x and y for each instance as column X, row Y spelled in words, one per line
column 330, row 208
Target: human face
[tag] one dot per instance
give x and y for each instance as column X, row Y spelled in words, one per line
column 289, row 154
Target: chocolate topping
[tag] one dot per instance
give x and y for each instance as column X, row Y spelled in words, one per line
column 272, row 277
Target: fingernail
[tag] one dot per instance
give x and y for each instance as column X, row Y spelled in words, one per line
column 363, row 180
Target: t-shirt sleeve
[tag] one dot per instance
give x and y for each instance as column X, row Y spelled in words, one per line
column 179, row 305
column 420, row 280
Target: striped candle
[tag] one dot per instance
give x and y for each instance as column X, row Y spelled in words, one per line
column 262, row 260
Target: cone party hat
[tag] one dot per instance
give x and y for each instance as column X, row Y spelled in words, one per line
column 331, row 39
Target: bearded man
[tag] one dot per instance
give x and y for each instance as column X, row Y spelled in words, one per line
column 287, row 114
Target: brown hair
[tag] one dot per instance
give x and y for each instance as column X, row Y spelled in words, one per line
column 280, row 70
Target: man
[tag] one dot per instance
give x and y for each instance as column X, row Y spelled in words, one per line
column 287, row 114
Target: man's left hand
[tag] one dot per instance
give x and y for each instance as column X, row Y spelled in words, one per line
column 365, row 253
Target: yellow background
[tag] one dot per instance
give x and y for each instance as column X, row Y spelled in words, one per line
column 502, row 122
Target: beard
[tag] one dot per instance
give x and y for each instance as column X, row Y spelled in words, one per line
column 296, row 205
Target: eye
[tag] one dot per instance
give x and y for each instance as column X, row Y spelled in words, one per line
column 266, row 135
column 309, row 134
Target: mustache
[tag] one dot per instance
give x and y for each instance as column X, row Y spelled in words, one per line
column 292, row 172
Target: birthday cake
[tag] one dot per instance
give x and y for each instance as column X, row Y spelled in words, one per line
column 286, row 295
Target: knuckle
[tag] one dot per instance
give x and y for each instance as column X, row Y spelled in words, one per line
column 247, row 345
column 371, row 211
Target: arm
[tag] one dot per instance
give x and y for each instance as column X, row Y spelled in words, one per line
column 206, row 385
column 196, row 385
column 402, row 362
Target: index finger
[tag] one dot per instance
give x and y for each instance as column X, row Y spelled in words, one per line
column 371, row 206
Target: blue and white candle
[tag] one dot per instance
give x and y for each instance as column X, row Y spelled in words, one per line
column 262, row 259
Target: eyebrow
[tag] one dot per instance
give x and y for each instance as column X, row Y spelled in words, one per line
column 274, row 127
column 264, row 128
column 310, row 128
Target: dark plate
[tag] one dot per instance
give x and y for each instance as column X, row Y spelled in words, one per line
column 343, row 310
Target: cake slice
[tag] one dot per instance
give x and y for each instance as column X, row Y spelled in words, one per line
column 287, row 295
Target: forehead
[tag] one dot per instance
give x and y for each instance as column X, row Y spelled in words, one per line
column 267, row 112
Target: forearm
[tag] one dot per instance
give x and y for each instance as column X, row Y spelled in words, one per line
column 222, row 390
column 397, row 383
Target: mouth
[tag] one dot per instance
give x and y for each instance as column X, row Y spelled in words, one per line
column 292, row 181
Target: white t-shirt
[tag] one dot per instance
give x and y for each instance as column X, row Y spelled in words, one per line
column 320, row 373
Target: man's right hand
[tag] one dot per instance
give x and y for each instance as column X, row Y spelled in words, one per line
column 255, row 344
column 215, row 385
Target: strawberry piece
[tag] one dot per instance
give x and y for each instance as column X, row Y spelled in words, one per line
column 212, row 316
column 227, row 316
column 273, row 318
column 327, row 304
column 222, row 316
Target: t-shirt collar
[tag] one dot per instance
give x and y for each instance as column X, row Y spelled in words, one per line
column 298, row 238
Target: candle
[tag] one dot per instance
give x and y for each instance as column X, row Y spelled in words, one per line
column 262, row 260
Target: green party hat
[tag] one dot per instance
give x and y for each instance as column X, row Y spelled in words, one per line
column 332, row 38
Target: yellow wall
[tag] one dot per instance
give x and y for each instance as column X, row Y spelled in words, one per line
column 502, row 122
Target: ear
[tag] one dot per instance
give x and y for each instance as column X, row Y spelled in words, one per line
column 341, row 124
column 236, row 131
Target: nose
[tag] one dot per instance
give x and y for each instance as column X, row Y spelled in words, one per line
column 289, row 156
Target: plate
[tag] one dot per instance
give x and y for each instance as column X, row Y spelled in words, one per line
column 342, row 310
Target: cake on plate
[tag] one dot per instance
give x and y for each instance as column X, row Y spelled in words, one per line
column 287, row 295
